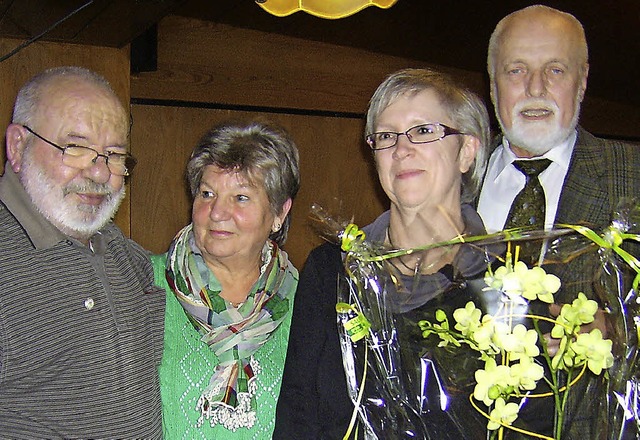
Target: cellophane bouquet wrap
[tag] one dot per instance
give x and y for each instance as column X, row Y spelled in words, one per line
column 492, row 346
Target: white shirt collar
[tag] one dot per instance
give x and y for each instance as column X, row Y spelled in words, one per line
column 559, row 155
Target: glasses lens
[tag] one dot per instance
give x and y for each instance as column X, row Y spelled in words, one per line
column 83, row 157
column 78, row 157
column 426, row 133
column 383, row 139
column 117, row 163
column 121, row 164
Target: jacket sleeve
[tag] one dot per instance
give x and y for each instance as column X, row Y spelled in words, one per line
column 313, row 402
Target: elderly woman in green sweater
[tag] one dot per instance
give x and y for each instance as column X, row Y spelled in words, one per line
column 230, row 287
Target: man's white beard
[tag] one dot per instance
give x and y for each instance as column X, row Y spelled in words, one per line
column 78, row 220
column 538, row 137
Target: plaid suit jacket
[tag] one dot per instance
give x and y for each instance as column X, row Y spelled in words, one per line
column 601, row 172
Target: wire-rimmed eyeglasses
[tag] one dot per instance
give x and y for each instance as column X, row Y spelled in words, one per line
column 420, row 134
column 77, row 156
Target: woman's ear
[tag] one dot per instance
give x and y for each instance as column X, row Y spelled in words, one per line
column 16, row 142
column 468, row 152
column 278, row 221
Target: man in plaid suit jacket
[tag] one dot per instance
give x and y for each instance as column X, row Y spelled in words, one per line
column 538, row 67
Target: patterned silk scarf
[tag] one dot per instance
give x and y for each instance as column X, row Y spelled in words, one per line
column 234, row 334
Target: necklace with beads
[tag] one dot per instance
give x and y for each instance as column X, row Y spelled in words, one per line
column 419, row 268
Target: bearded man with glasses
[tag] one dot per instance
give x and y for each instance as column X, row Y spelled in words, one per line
column 80, row 318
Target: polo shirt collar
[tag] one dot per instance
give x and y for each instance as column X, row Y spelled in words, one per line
column 39, row 230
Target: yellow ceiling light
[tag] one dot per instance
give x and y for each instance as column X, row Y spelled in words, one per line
column 321, row 8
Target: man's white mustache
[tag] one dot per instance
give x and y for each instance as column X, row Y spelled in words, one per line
column 535, row 107
column 101, row 189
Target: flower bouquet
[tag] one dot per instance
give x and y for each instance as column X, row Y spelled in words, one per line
column 369, row 344
column 506, row 350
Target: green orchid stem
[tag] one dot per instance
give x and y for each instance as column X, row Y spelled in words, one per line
column 561, row 411
column 545, row 353
column 559, row 401
column 515, row 234
column 558, row 416
column 458, row 337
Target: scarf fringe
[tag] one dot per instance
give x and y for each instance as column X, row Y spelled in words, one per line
column 232, row 418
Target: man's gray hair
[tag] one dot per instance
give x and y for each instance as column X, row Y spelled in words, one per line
column 27, row 102
column 262, row 152
column 465, row 108
column 496, row 36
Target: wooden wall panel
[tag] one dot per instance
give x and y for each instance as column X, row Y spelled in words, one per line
column 216, row 63
column 335, row 171
column 112, row 63
column 209, row 62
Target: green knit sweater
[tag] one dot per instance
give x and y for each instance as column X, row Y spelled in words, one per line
column 187, row 365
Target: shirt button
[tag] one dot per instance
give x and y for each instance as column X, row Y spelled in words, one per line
column 88, row 303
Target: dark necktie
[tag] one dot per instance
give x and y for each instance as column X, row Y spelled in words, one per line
column 528, row 208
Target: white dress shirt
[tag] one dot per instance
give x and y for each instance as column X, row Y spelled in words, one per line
column 503, row 182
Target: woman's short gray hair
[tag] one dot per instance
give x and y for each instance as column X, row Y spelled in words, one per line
column 465, row 108
column 262, row 152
